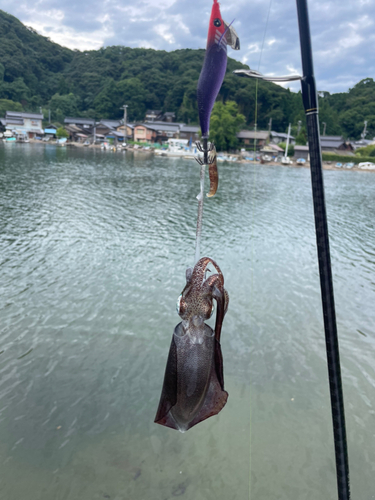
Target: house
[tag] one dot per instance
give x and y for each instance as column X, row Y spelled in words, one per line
column 152, row 115
column 157, row 115
column 301, row 152
column 277, row 137
column 50, row 132
column 129, row 130
column 272, row 149
column 23, row 124
column 362, row 143
column 77, row 134
column 189, row 132
column 83, row 123
column 169, row 117
column 334, row 143
column 253, row 138
column 144, row 133
column 164, row 130
column 79, row 129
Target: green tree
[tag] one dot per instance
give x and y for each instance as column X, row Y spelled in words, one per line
column 301, row 138
column 366, row 151
column 282, row 145
column 61, row 133
column 62, row 106
column 225, row 123
column 7, row 105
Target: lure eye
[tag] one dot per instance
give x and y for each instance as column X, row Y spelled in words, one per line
column 217, row 22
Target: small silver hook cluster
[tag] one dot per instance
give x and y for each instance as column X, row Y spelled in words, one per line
column 210, row 159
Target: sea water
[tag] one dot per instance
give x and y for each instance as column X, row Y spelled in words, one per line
column 94, row 248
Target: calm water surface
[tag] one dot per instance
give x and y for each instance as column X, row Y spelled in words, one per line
column 94, row 247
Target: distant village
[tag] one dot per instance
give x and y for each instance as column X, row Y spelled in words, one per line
column 156, row 129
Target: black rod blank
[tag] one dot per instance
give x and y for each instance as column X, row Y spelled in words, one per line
column 310, row 103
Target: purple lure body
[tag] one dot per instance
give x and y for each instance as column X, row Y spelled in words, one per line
column 220, row 34
column 209, row 83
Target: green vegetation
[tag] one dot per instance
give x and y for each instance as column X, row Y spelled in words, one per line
column 367, row 151
column 225, row 123
column 35, row 72
column 301, row 139
column 61, row 133
column 8, row 105
column 345, row 158
column 282, row 145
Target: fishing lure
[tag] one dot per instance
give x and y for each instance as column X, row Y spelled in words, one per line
column 220, row 34
column 193, row 388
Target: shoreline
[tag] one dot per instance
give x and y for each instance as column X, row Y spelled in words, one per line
column 325, row 165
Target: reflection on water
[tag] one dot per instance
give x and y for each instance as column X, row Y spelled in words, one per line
column 94, row 247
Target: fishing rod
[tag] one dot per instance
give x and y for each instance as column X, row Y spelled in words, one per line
column 310, row 102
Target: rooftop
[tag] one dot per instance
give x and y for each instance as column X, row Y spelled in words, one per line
column 251, row 134
column 20, row 114
column 189, row 128
column 80, row 121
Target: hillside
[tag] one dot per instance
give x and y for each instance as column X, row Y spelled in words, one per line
column 37, row 72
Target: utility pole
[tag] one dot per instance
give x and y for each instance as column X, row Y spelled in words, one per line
column 324, row 128
column 299, row 127
column 269, row 129
column 255, row 137
column 364, row 133
column 287, row 140
column 49, row 116
column 124, row 107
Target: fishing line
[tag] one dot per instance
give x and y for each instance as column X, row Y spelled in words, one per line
column 253, row 206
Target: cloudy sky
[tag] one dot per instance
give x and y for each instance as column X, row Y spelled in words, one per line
column 343, row 31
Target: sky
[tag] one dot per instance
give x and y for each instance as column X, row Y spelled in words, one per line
column 343, row 31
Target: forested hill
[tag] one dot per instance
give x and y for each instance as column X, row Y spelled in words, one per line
column 37, row 72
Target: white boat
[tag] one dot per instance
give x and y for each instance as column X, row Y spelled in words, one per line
column 177, row 148
column 366, row 165
column 226, row 158
column 301, row 161
column 285, row 160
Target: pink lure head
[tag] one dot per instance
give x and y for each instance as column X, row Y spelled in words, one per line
column 216, row 28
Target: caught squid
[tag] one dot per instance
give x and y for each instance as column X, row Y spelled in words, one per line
column 193, row 388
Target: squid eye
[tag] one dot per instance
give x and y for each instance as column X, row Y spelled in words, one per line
column 217, row 22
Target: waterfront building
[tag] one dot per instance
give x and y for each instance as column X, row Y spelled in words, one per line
column 277, row 137
column 23, row 125
column 335, row 143
column 253, row 139
column 301, row 152
column 144, row 133
column 189, row 132
column 79, row 129
column 83, row 123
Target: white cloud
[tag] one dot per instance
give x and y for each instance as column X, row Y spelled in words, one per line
column 342, row 30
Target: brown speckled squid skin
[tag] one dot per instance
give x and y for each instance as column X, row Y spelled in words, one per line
column 213, row 173
column 193, row 388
